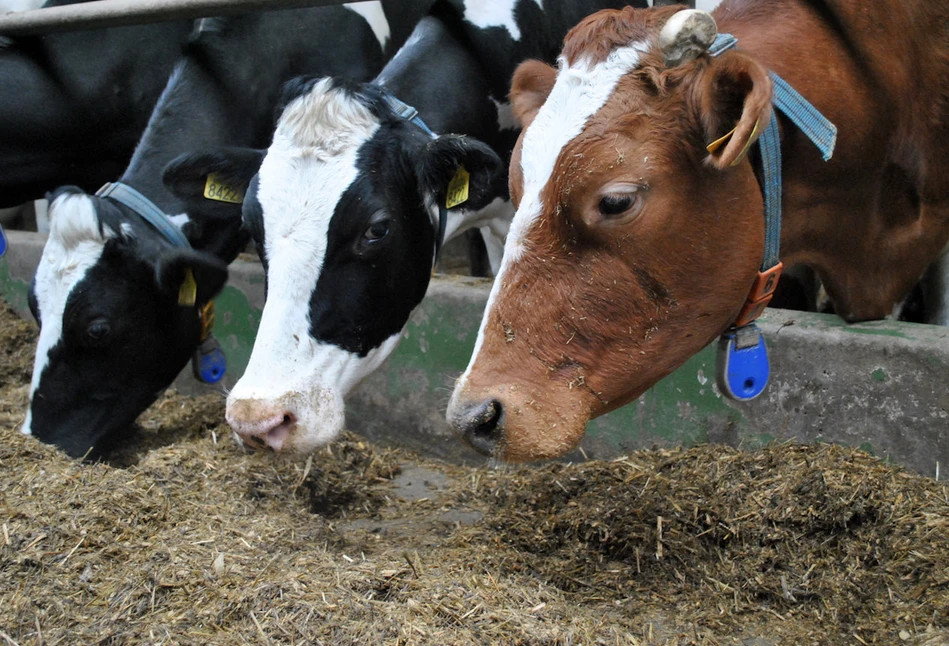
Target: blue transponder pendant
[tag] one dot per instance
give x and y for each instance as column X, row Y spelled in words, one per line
column 208, row 362
column 742, row 368
column 3, row 242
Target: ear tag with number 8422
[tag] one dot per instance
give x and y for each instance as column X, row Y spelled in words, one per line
column 215, row 188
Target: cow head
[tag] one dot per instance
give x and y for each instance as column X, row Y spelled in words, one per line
column 112, row 332
column 344, row 211
column 632, row 246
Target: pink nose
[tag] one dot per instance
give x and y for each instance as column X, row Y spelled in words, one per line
column 260, row 424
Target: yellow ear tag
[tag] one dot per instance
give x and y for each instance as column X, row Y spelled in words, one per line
column 216, row 189
column 188, row 292
column 715, row 145
column 718, row 143
column 457, row 188
column 751, row 139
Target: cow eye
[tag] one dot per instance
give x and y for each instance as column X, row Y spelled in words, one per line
column 612, row 205
column 379, row 225
column 377, row 230
column 98, row 330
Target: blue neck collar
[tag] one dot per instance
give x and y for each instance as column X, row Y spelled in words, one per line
column 146, row 209
column 405, row 111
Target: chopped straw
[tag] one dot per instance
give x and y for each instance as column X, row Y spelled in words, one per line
column 182, row 538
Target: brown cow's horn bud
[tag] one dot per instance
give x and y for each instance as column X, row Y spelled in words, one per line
column 686, row 35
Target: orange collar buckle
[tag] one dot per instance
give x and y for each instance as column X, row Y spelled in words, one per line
column 761, row 292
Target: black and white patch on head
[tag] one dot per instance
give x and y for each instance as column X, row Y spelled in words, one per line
column 75, row 244
column 112, row 331
column 344, row 209
column 313, row 161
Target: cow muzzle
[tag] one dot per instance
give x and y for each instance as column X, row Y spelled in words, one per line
column 479, row 424
column 289, row 423
column 261, row 424
column 519, row 424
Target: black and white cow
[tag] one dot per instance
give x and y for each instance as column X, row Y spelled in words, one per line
column 73, row 105
column 107, row 292
column 346, row 205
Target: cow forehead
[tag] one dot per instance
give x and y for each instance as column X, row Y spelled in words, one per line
column 74, row 246
column 302, row 178
column 311, row 163
column 298, row 197
column 581, row 89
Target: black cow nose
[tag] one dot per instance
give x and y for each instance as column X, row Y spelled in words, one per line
column 480, row 426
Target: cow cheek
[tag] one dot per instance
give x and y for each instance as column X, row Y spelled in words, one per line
column 523, row 366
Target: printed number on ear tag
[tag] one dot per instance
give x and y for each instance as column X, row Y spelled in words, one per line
column 208, row 362
column 218, row 190
column 458, row 188
column 742, row 367
column 3, row 242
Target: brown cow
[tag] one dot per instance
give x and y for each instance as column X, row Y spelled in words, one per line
column 633, row 247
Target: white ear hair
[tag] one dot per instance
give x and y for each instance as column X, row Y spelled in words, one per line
column 686, row 35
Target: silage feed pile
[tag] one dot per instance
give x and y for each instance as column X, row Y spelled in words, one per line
column 185, row 539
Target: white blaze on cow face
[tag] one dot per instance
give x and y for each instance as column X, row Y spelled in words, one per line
column 495, row 13
column 580, row 91
column 74, row 246
column 291, row 394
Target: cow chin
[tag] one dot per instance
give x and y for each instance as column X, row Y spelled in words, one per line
column 517, row 424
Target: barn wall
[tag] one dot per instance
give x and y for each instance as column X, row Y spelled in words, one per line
column 880, row 386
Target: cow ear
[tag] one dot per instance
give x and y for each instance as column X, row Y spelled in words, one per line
column 194, row 276
column 734, row 97
column 460, row 171
column 213, row 182
column 530, row 87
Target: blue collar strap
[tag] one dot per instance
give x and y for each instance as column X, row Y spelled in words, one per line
column 405, row 111
column 821, row 132
column 742, row 367
column 125, row 194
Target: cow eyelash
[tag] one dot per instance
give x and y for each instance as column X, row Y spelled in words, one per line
column 378, row 228
column 620, row 202
column 613, row 205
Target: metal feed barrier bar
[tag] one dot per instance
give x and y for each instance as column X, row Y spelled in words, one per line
column 122, row 13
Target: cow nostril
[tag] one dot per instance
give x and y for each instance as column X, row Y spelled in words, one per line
column 262, row 429
column 482, row 427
